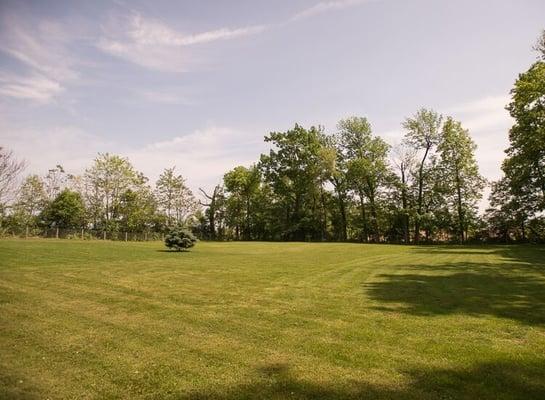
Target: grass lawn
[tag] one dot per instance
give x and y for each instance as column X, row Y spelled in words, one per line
column 107, row 320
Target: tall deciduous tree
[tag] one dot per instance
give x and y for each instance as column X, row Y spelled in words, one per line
column 137, row 209
column 337, row 172
column 508, row 214
column 107, row 180
column 31, row 200
column 55, row 181
column 242, row 185
column 10, row 169
column 367, row 160
column 461, row 178
column 65, row 211
column 174, row 198
column 524, row 166
column 403, row 158
column 294, row 171
column 423, row 133
column 215, row 212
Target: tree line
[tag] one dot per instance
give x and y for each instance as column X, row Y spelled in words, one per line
column 110, row 196
column 313, row 185
column 351, row 185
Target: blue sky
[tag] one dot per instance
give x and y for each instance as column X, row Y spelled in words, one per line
column 197, row 84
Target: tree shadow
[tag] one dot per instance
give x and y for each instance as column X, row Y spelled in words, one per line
column 513, row 288
column 13, row 386
column 491, row 380
column 525, row 253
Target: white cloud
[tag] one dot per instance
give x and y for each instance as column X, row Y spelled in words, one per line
column 153, row 32
column 41, row 46
column 45, row 147
column 325, row 6
column 153, row 44
column 37, row 88
column 482, row 114
column 488, row 122
column 202, row 156
column 161, row 58
column 485, row 104
column 164, row 97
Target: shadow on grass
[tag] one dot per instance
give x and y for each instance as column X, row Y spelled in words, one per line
column 494, row 380
column 17, row 387
column 529, row 254
column 512, row 288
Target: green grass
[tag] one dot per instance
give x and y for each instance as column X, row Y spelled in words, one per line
column 106, row 320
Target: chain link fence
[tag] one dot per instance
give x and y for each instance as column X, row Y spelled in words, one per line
column 82, row 234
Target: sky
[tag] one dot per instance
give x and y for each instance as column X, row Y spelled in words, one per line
column 198, row 84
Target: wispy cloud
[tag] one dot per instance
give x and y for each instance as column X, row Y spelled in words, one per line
column 483, row 114
column 41, row 46
column 217, row 148
column 326, row 6
column 147, row 31
column 164, row 97
column 66, row 144
column 37, row 88
column 153, row 44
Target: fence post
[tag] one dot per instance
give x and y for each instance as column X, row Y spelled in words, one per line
column 104, row 235
column 57, row 233
column 146, row 236
column 26, row 232
column 125, row 236
column 81, row 233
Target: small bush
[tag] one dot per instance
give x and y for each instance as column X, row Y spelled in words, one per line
column 180, row 239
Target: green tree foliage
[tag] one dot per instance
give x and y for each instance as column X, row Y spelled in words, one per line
column 507, row 215
column 403, row 159
column 462, row 181
column 55, row 181
column 31, row 201
column 294, row 170
column 174, row 198
column 367, row 168
column 180, row 239
column 242, row 186
column 213, row 220
column 423, row 134
column 66, row 211
column 107, row 181
column 336, row 170
column 518, row 199
column 524, row 166
column 137, row 210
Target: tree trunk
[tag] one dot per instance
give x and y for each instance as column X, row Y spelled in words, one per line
column 324, row 215
column 420, row 196
column 404, row 204
column 247, row 230
column 461, row 217
column 374, row 217
column 365, row 237
column 342, row 208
